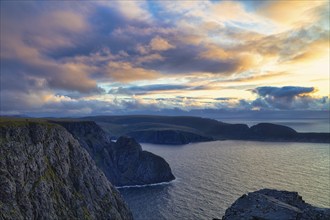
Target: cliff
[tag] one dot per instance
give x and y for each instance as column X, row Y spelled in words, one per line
column 274, row 205
column 123, row 162
column 46, row 174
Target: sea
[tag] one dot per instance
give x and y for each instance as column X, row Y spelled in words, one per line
column 210, row 176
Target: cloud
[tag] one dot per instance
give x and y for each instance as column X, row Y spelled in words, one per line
column 286, row 91
column 186, row 59
column 171, row 54
column 23, row 48
column 133, row 10
column 126, row 72
column 149, row 58
column 293, row 13
column 160, row 44
column 155, row 88
column 288, row 98
column 146, row 89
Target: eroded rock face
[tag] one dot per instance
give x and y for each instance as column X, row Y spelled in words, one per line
column 123, row 162
column 138, row 167
column 273, row 204
column 46, row 174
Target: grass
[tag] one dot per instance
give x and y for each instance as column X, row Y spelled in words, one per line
column 18, row 122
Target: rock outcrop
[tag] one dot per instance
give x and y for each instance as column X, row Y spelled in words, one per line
column 274, row 205
column 136, row 167
column 268, row 130
column 123, row 162
column 46, row 174
column 171, row 137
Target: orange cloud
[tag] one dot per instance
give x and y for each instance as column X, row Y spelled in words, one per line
column 149, row 58
column 315, row 50
column 292, row 13
column 160, row 44
column 125, row 72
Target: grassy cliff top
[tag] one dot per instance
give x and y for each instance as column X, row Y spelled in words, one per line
column 18, row 121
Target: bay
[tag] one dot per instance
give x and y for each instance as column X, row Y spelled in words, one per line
column 210, row 176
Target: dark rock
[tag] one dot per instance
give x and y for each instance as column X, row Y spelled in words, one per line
column 123, row 162
column 274, row 205
column 268, row 130
column 46, row 174
column 171, row 137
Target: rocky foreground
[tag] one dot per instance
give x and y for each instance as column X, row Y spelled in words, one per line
column 123, row 162
column 272, row 204
column 46, row 174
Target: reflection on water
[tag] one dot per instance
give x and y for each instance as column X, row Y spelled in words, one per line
column 211, row 176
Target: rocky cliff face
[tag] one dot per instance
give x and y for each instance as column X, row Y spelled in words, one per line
column 46, row 174
column 273, row 204
column 123, row 162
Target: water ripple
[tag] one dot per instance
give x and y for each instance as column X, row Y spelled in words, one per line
column 211, row 176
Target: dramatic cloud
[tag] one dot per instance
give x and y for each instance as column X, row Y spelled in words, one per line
column 294, row 13
column 146, row 89
column 93, row 57
column 285, row 92
column 158, row 43
column 288, row 97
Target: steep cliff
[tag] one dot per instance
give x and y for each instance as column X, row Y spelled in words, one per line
column 46, row 174
column 123, row 162
column 274, row 205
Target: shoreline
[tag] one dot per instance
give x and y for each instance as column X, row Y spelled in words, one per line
column 146, row 185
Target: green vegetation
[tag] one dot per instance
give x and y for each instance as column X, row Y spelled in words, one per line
column 19, row 122
column 87, row 215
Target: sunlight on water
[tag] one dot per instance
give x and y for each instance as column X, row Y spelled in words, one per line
column 211, row 176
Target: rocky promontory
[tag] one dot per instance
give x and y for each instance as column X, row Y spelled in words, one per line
column 273, row 204
column 123, row 162
column 46, row 174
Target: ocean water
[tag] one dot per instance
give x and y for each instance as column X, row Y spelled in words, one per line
column 211, row 176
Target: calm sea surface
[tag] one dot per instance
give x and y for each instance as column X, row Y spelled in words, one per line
column 211, row 176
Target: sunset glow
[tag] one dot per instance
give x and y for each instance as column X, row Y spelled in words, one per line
column 119, row 57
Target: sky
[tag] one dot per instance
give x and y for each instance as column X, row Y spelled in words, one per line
column 75, row 58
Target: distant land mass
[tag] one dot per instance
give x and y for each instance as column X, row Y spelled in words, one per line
column 176, row 130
